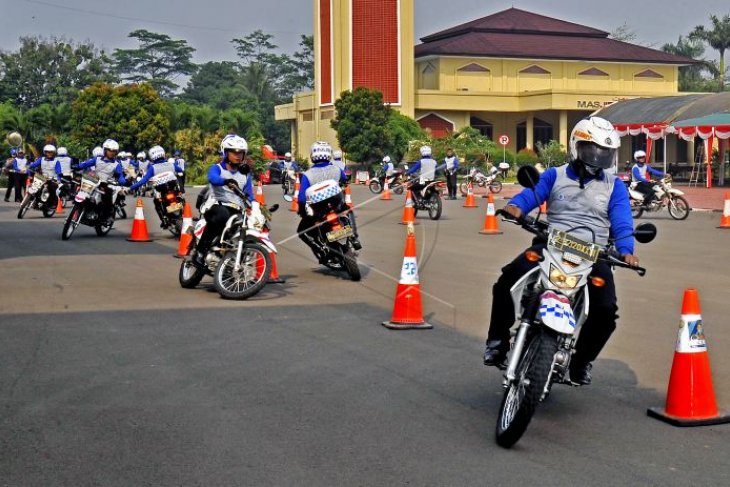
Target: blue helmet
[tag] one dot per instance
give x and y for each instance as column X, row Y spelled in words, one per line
column 13, row 152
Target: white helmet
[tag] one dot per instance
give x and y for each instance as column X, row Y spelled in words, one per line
column 386, row 159
column 110, row 144
column 156, row 152
column 233, row 142
column 320, row 152
column 62, row 151
column 141, row 155
column 337, row 154
column 595, row 142
column 425, row 151
column 97, row 152
column 639, row 153
column 288, row 154
column 49, row 148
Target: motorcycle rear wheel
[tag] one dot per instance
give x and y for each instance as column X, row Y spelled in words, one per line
column 102, row 230
column 398, row 188
column 637, row 211
column 375, row 186
column 525, row 392
column 49, row 211
column 189, row 275
column 464, row 188
column 495, row 186
column 678, row 207
column 175, row 226
column 72, row 221
column 350, row 261
column 435, row 206
column 255, row 272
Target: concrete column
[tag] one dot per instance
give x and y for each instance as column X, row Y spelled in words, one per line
column 691, row 151
column 563, row 129
column 530, row 132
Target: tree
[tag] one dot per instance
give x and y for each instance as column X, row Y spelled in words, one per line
column 718, row 38
column 159, row 60
column 401, row 130
column 361, row 124
column 50, row 71
column 624, row 33
column 691, row 77
column 134, row 115
column 551, row 154
column 218, row 84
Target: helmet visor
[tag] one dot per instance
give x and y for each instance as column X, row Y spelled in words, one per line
column 596, row 156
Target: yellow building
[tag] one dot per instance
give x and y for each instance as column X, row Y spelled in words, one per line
column 513, row 73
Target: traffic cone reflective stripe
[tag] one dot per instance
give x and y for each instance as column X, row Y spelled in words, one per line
column 139, row 226
column 470, row 201
column 260, row 194
column 295, row 202
column 690, row 394
column 386, row 192
column 186, row 233
column 491, row 227
column 409, row 215
column 407, row 309
column 725, row 220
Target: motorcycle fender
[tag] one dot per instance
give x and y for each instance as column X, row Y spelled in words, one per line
column 80, row 197
column 262, row 238
column 675, row 192
column 556, row 312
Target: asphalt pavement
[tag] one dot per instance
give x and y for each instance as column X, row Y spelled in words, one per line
column 111, row 374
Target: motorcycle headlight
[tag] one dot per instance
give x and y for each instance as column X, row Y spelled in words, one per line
column 562, row 280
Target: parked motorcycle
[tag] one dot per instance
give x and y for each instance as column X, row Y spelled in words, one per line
column 395, row 182
column 239, row 258
column 87, row 206
column 665, row 196
column 39, row 197
column 169, row 202
column 551, row 303
column 478, row 178
column 429, row 199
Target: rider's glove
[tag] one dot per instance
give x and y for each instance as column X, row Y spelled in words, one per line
column 231, row 183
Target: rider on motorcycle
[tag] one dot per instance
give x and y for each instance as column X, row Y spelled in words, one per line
column 107, row 170
column 426, row 168
column 639, row 173
column 64, row 169
column 338, row 161
column 158, row 166
column 322, row 170
column 388, row 171
column 579, row 193
column 47, row 164
column 288, row 164
column 231, row 172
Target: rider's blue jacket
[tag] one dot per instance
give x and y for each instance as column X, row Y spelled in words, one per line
column 118, row 173
column 151, row 172
column 638, row 174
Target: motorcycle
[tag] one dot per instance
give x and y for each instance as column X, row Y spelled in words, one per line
column 169, row 202
column 665, row 196
column 429, row 199
column 395, row 182
column 551, row 303
column 478, row 178
column 239, row 258
column 290, row 179
column 39, row 197
column 67, row 189
column 87, row 206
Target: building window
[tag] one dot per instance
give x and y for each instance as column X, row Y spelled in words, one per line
column 649, row 73
column 307, row 116
column 326, row 114
column 484, row 128
column 429, row 78
column 473, row 77
column 437, row 126
column 542, row 132
column 534, row 69
column 593, row 72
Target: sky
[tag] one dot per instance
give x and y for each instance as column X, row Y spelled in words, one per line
column 209, row 25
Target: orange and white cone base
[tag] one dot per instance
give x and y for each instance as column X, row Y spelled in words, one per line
column 409, row 214
column 139, row 226
column 470, row 201
column 274, row 277
column 186, row 233
column 690, row 395
column 386, row 192
column 295, row 202
column 348, row 197
column 491, row 227
column 725, row 219
column 407, row 310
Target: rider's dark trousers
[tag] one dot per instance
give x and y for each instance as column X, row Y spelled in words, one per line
column 308, row 232
column 647, row 189
column 451, row 184
column 215, row 220
column 596, row 330
column 11, row 186
column 20, row 179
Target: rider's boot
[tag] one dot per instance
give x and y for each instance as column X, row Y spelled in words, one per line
column 580, row 374
column 495, row 353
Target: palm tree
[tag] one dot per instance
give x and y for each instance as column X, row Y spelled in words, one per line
column 718, row 38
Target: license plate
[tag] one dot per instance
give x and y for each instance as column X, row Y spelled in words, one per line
column 174, row 207
column 343, row 232
column 569, row 244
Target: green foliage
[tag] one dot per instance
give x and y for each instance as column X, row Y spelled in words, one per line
column 134, row 115
column 468, row 144
column 551, row 154
column 361, row 124
column 718, row 38
column 401, row 130
column 694, row 77
column 219, row 85
column 50, row 71
column 526, row 157
column 158, row 60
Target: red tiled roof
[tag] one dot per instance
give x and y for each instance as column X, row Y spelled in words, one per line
column 514, row 33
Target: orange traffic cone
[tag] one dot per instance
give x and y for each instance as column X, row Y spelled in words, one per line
column 543, row 208
column 295, row 202
column 725, row 220
column 386, row 192
column 491, row 227
column 470, row 202
column 409, row 214
column 407, row 310
column 690, row 395
column 59, row 206
column 260, row 194
column 348, row 197
column 186, row 233
column 139, row 227
column 274, row 277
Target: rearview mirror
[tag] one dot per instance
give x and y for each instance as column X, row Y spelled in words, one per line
column 528, row 177
column 645, row 233
column 288, row 198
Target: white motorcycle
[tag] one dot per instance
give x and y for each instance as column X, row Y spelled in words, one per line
column 239, row 258
column 87, row 206
column 39, row 197
column 665, row 196
column 551, row 303
column 478, row 178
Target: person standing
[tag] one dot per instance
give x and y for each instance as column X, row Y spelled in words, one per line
column 178, row 159
column 452, row 167
column 8, row 169
column 20, row 166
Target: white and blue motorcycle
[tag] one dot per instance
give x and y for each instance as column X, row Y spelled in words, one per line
column 551, row 303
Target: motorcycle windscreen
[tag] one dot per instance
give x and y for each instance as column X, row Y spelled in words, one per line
column 556, row 312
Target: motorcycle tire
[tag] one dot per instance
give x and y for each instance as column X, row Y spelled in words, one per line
column 464, row 188
column 678, row 208
column 175, row 226
column 103, row 230
column 375, row 187
column 72, row 221
column 350, row 261
column 229, row 285
column 121, row 212
column 526, row 391
column 288, row 187
column 495, row 187
column 435, row 206
column 24, row 206
column 49, row 211
column 398, row 189
column 189, row 275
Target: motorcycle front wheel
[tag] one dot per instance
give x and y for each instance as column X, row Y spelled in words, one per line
column 375, row 187
column 525, row 392
column 72, row 221
column 189, row 275
column 435, row 206
column 678, row 207
column 24, row 206
column 495, row 187
column 249, row 279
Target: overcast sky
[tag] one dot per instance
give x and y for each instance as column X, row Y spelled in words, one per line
column 209, row 25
